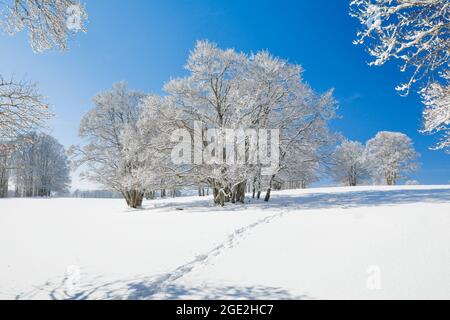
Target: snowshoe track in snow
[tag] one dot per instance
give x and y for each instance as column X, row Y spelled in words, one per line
column 147, row 288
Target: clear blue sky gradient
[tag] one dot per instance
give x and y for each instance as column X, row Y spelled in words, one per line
column 147, row 42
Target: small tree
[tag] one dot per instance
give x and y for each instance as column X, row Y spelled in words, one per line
column 349, row 164
column 391, row 155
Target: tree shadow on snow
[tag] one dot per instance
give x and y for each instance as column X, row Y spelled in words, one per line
column 146, row 289
column 349, row 200
column 309, row 201
column 174, row 292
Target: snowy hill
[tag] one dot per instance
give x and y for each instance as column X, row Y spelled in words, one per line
column 365, row 242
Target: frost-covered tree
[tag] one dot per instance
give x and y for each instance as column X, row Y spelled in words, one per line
column 437, row 112
column 349, row 164
column 281, row 99
column 209, row 95
column 391, row 155
column 226, row 90
column 416, row 32
column 22, row 108
column 49, row 23
column 105, row 158
column 40, row 166
column 51, row 167
column 300, row 169
column 148, row 146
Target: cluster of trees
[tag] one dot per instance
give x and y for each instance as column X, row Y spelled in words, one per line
column 138, row 143
column 417, row 33
column 36, row 163
column 385, row 159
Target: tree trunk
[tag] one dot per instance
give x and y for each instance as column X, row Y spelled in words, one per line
column 269, row 190
column 4, row 181
column 150, row 195
column 221, row 197
column 241, row 194
column 134, row 198
column 254, row 188
column 216, row 195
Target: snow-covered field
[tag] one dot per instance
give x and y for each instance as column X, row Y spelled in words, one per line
column 367, row 242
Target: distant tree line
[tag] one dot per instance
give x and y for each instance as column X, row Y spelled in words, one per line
column 99, row 194
column 36, row 164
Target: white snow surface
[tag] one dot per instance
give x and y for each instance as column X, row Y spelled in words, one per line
column 329, row 243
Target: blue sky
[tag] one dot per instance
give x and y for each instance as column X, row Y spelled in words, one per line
column 147, row 42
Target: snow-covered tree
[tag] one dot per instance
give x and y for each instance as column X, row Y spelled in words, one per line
column 391, row 155
column 349, row 164
column 300, row 169
column 210, row 97
column 416, row 32
column 148, row 146
column 22, row 108
column 103, row 158
column 40, row 166
column 281, row 99
column 51, row 166
column 437, row 112
column 49, row 23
